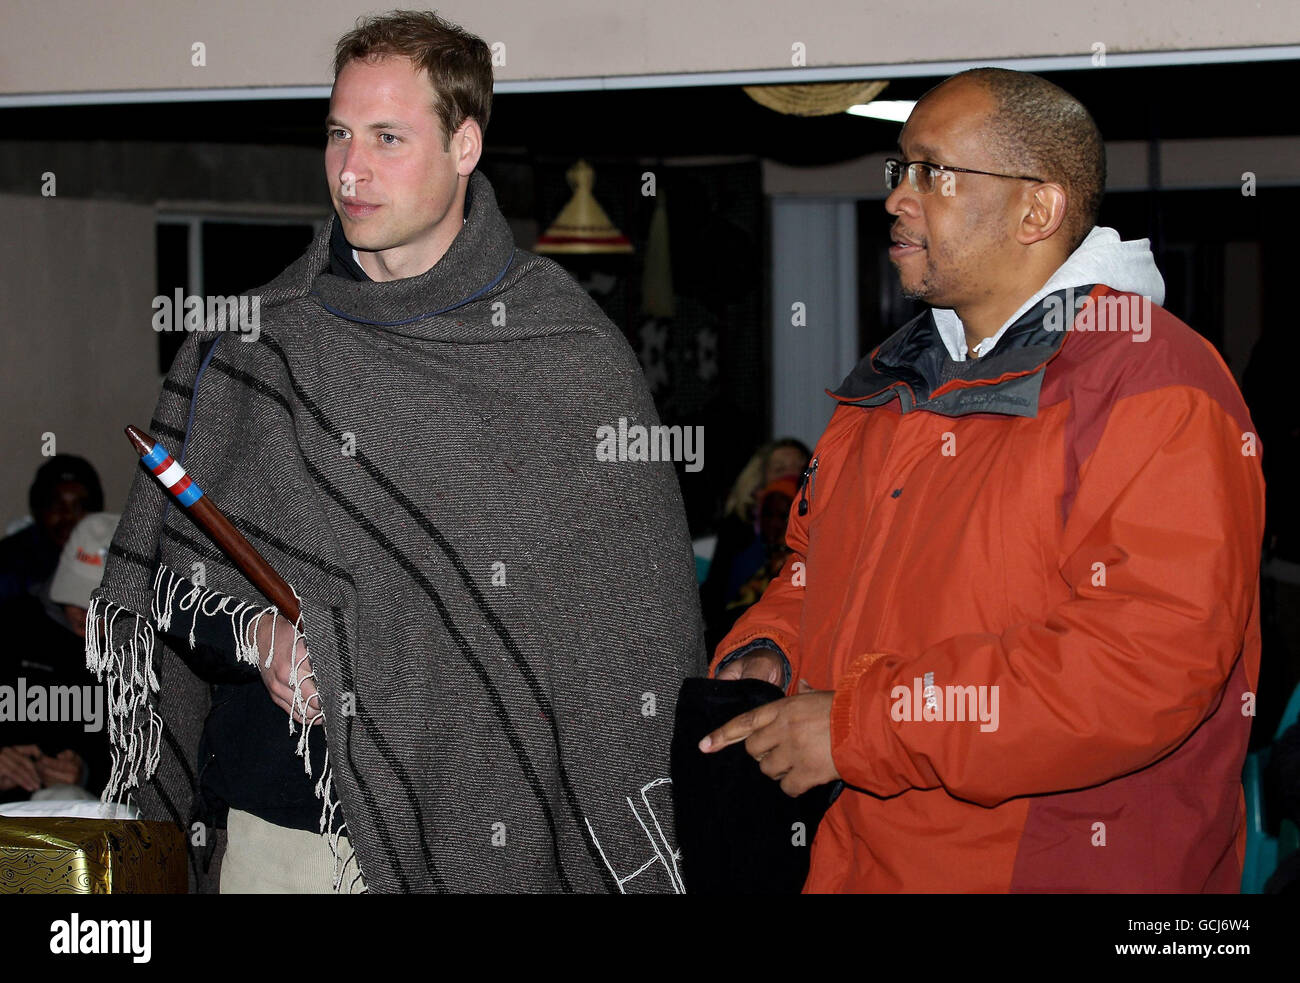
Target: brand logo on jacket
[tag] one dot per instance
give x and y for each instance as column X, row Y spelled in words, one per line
column 1128, row 313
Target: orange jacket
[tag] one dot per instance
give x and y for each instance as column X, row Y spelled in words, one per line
column 1068, row 541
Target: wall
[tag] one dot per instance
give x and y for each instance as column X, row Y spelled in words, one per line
column 74, row 46
column 75, row 337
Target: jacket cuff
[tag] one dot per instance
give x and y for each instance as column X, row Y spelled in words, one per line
column 846, row 712
column 760, row 643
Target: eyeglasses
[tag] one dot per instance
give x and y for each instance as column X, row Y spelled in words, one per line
column 920, row 174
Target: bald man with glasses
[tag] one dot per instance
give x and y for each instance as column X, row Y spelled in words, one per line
column 1019, row 625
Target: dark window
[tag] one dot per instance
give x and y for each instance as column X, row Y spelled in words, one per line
column 235, row 257
column 173, row 272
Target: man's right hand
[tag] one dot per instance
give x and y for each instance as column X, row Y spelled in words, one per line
column 759, row 664
column 285, row 656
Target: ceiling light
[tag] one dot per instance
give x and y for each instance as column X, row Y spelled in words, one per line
column 894, row 111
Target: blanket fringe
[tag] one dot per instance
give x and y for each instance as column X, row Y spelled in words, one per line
column 134, row 727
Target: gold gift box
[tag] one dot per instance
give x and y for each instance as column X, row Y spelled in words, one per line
column 91, row 856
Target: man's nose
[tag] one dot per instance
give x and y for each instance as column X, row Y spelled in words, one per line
column 354, row 163
column 902, row 199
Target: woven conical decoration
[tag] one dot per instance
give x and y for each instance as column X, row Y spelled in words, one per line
column 582, row 225
column 816, row 98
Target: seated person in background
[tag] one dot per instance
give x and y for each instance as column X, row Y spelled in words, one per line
column 754, row 568
column 65, row 489
column 738, row 529
column 51, row 707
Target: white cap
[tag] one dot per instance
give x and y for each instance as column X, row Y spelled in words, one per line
column 81, row 567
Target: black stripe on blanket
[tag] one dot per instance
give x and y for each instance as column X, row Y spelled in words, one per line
column 130, row 557
column 252, row 382
column 345, row 667
column 210, row 552
column 498, row 704
column 160, row 429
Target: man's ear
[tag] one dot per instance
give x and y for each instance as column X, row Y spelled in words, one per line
column 1044, row 213
column 467, row 144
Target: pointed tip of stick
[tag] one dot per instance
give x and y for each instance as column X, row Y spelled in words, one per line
column 140, row 440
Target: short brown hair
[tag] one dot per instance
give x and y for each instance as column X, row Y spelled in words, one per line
column 459, row 64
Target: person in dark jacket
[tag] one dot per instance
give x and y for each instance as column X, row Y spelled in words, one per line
column 52, row 712
column 65, row 490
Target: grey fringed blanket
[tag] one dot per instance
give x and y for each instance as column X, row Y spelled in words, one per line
column 498, row 621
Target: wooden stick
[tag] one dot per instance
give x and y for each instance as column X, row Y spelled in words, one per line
column 210, row 519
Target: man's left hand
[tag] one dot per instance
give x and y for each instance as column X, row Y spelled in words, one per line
column 790, row 739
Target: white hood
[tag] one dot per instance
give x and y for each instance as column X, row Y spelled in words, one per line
column 1102, row 257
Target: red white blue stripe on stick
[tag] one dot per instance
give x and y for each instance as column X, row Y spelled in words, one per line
column 172, row 475
column 208, row 517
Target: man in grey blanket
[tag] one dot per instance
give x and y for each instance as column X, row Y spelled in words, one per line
column 494, row 623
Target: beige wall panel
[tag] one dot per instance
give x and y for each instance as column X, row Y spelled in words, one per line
column 78, row 352
column 95, row 45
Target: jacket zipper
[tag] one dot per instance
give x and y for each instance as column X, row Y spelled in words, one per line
column 808, row 486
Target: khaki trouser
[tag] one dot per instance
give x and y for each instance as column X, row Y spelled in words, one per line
column 263, row 858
